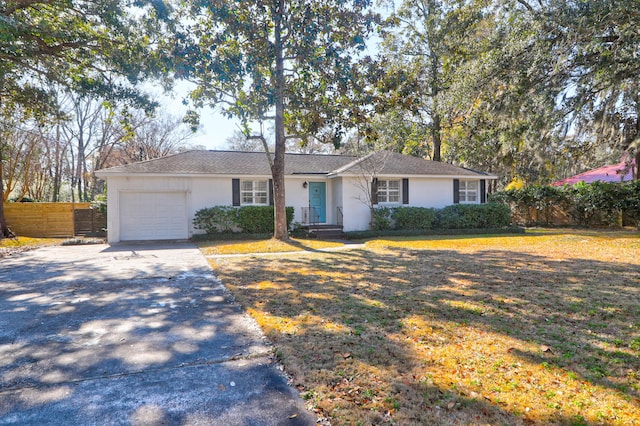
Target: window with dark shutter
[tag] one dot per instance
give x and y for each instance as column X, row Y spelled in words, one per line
column 483, row 191
column 235, row 190
column 253, row 193
column 405, row 191
column 374, row 191
column 270, row 192
column 456, row 191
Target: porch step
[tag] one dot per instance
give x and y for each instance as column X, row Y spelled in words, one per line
column 325, row 232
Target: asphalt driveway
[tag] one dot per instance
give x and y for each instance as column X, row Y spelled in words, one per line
column 132, row 334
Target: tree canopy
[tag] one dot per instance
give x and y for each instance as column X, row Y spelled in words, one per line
column 88, row 46
column 298, row 64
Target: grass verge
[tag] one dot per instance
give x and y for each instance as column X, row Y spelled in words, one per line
column 527, row 329
column 9, row 246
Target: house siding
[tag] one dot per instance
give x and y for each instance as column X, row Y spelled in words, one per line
column 337, row 197
column 355, row 205
column 435, row 193
column 296, row 195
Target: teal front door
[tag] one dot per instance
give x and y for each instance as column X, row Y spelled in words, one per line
column 318, row 201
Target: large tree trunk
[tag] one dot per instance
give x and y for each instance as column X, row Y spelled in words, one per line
column 436, row 127
column 280, row 231
column 436, row 136
column 5, row 232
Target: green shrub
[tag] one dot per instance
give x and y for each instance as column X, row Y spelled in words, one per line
column 413, row 218
column 259, row 219
column 473, row 216
column 381, row 218
column 630, row 204
column 216, row 219
column 248, row 219
column 594, row 204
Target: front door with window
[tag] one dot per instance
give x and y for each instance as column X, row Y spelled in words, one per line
column 318, row 201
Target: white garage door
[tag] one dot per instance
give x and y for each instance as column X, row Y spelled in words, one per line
column 153, row 216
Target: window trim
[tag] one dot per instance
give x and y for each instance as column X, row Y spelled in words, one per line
column 464, row 192
column 382, row 188
column 255, row 192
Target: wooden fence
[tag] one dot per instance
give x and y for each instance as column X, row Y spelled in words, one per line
column 46, row 220
column 90, row 222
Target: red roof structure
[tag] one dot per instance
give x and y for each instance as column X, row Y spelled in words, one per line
column 613, row 173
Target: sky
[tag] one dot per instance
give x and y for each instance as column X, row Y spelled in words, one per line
column 214, row 127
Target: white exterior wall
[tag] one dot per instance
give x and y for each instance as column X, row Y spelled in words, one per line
column 356, row 210
column 423, row 192
column 209, row 192
column 434, row 193
column 336, row 198
column 296, row 196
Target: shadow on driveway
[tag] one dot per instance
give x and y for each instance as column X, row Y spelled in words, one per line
column 131, row 334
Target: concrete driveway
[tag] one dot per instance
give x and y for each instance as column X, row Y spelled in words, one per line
column 132, row 334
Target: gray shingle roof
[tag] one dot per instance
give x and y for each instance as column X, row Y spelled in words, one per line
column 393, row 163
column 232, row 163
column 256, row 164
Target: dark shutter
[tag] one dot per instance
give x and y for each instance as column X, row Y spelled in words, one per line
column 235, row 189
column 374, row 191
column 270, row 192
column 456, row 191
column 483, row 191
column 405, row 191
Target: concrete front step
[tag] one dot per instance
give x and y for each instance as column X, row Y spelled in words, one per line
column 326, row 232
column 328, row 235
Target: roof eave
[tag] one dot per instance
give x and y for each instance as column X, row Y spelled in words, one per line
column 430, row 176
column 105, row 174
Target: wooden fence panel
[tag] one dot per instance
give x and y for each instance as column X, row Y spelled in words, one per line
column 90, row 223
column 42, row 220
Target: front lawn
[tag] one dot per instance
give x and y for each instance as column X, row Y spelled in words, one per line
column 528, row 329
column 214, row 248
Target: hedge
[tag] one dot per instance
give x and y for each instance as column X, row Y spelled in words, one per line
column 247, row 219
column 473, row 216
column 595, row 204
column 457, row 216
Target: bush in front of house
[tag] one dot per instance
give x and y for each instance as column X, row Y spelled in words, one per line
column 457, row 216
column 382, row 218
column 473, row 216
column 414, row 217
column 217, row 219
column 247, row 219
column 259, row 219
